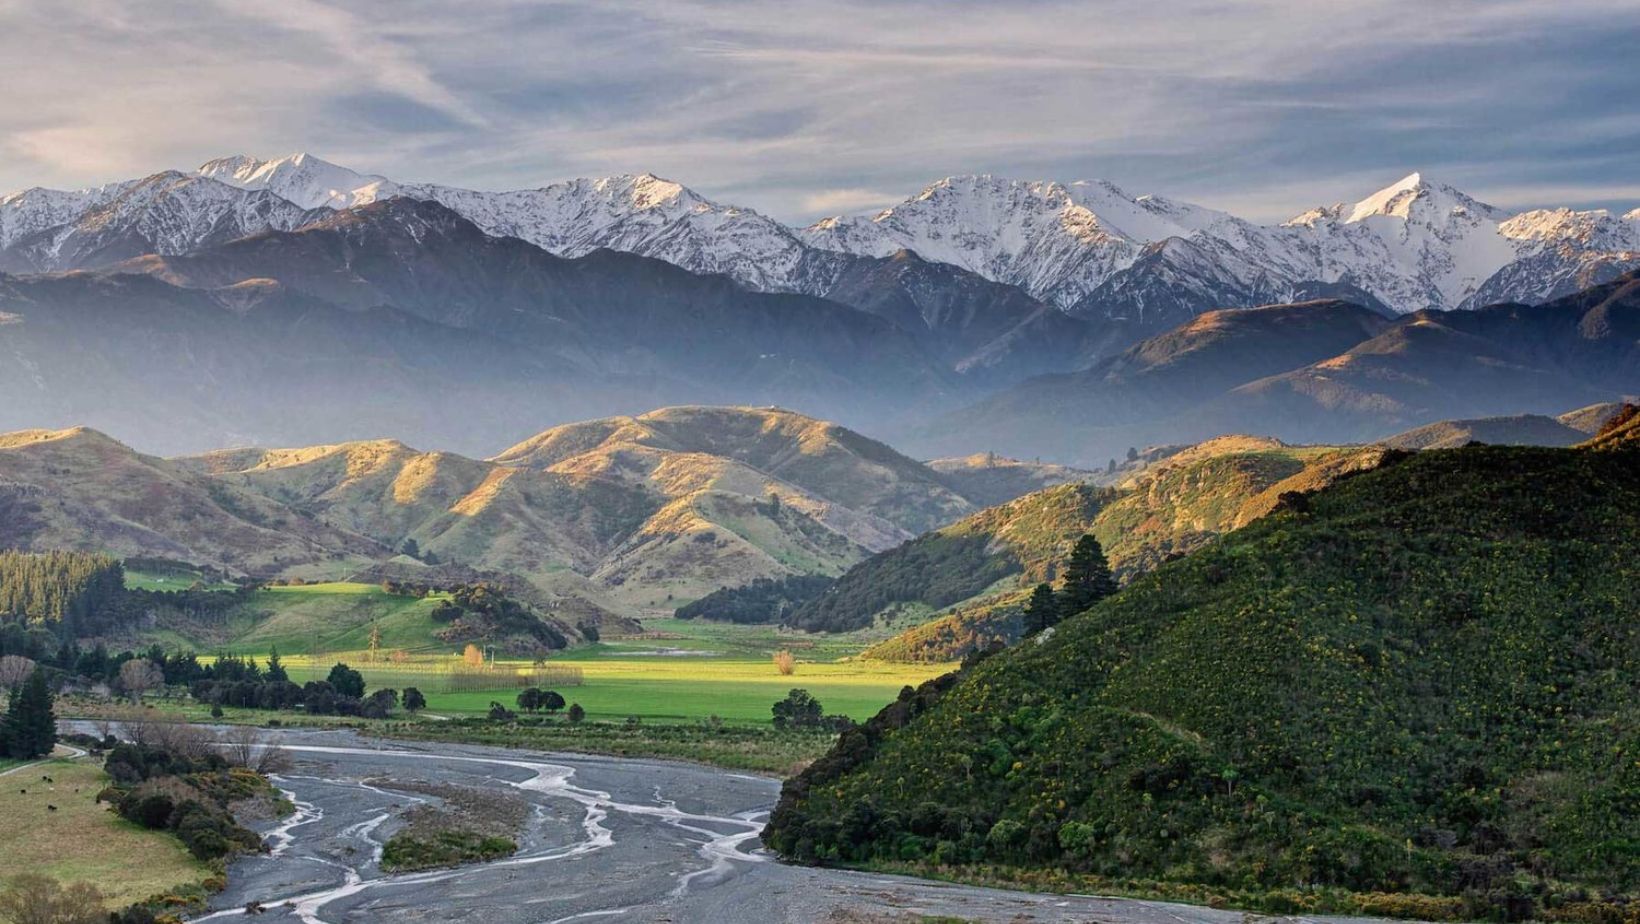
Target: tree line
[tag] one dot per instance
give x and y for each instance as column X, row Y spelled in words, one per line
column 76, row 593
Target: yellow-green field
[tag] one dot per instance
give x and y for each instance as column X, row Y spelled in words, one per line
column 85, row 842
column 675, row 671
column 658, row 688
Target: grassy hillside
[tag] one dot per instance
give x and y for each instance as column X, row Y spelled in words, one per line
column 1172, row 507
column 632, row 515
column 1515, row 430
column 79, row 489
column 1419, row 680
column 988, row 479
column 635, row 513
column 82, row 840
column 306, row 619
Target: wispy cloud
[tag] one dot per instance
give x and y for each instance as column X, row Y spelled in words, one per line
column 851, row 199
column 807, row 108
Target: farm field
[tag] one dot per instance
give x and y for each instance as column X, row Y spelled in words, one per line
column 675, row 671
column 85, row 842
column 655, row 689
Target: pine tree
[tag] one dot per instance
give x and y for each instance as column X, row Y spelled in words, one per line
column 9, row 723
column 1041, row 611
column 30, row 725
column 276, row 672
column 1087, row 577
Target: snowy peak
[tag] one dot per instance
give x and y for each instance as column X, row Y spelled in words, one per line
column 1394, row 199
column 303, row 179
column 1414, row 196
column 1090, row 247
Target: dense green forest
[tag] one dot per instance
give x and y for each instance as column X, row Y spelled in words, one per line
column 764, row 600
column 77, row 593
column 1417, row 682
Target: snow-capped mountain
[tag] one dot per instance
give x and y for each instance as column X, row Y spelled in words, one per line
column 1095, row 250
column 642, row 214
column 301, row 178
column 165, row 213
column 1088, row 247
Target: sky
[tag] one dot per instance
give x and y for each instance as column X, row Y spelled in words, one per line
column 805, row 109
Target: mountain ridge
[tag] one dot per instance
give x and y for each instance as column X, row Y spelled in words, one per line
column 1083, row 246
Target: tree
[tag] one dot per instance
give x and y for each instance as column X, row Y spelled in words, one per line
column 1041, row 611
column 14, row 670
column 785, row 663
column 411, row 549
column 551, row 701
column 1133, row 454
column 1087, row 577
column 34, row 899
column 472, row 656
column 380, row 704
column 529, row 699
column 576, row 714
column 413, row 700
column 798, row 710
column 29, row 729
column 276, row 672
column 375, row 640
column 138, row 676
column 346, row 681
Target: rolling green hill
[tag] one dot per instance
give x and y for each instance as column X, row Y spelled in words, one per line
column 1419, row 681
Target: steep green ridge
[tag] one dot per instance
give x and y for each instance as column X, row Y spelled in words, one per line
column 1419, row 680
column 950, row 565
column 1168, row 509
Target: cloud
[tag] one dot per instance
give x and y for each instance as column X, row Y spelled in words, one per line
column 802, row 109
column 851, row 199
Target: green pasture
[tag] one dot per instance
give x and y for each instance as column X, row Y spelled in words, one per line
column 675, row 671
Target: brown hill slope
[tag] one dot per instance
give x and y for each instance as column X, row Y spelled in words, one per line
column 1516, row 430
column 80, row 489
column 637, row 512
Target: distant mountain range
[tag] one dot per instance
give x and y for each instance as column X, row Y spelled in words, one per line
column 1317, row 372
column 1087, row 247
column 293, row 302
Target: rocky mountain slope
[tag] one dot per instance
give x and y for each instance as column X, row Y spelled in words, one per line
column 1409, row 695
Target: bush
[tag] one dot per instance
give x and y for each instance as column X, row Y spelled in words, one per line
column 29, row 898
